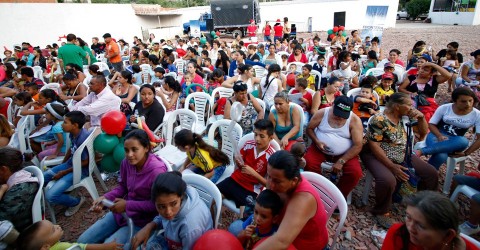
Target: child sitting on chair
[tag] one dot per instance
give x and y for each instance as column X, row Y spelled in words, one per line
column 63, row 173
column 365, row 104
column 306, row 69
column 264, row 222
column 202, row 158
column 251, row 166
column 44, row 235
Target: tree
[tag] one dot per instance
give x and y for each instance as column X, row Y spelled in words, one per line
column 417, row 7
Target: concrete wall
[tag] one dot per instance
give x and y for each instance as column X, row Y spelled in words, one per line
column 42, row 24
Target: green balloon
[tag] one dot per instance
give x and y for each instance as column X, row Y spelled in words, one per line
column 215, row 36
column 119, row 153
column 344, row 33
column 212, row 33
column 330, row 32
column 203, row 40
column 105, row 143
column 108, row 164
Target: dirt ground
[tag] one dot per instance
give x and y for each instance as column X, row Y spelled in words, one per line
column 360, row 223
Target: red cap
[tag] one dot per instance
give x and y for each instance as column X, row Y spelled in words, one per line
column 278, row 20
column 388, row 75
column 251, row 20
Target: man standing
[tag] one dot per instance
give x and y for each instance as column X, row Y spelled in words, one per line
column 112, row 53
column 252, row 29
column 71, row 53
column 156, row 50
column 100, row 100
column 337, row 135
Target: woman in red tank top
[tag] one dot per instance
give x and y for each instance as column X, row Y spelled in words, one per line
column 304, row 222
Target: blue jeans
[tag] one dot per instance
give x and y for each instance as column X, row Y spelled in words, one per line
column 107, row 230
column 440, row 150
column 56, row 194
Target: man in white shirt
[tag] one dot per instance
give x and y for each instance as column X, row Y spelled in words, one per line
column 99, row 101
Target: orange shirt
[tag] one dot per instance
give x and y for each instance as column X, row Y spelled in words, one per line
column 112, row 48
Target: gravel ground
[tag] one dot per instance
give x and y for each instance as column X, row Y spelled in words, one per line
column 359, row 224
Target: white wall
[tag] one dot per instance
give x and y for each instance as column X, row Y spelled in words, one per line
column 42, row 24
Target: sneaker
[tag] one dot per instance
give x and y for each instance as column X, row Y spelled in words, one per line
column 72, row 210
column 465, row 228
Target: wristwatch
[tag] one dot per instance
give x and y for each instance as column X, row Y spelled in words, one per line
column 341, row 161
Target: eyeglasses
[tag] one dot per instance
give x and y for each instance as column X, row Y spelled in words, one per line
column 239, row 83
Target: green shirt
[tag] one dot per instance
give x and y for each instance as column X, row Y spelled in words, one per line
column 92, row 58
column 71, row 53
column 65, row 245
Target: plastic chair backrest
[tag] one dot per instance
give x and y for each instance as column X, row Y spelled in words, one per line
column 222, row 92
column 470, row 239
column 332, row 198
column 37, row 208
column 208, row 192
column 262, row 104
column 375, row 72
column 38, row 72
column 259, row 71
column 250, row 136
column 75, row 247
column 180, row 64
column 187, row 119
column 55, row 86
column 77, row 156
column 169, row 166
column 280, row 53
column 227, row 145
column 9, row 109
column 202, row 105
column 23, row 130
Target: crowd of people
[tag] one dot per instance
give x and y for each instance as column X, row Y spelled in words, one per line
column 333, row 105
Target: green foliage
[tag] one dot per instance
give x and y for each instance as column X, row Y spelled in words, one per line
column 416, row 7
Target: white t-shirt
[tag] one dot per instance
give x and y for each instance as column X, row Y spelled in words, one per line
column 453, row 124
column 269, row 93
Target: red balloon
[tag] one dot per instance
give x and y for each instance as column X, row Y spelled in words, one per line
column 217, row 239
column 113, row 122
column 332, row 36
column 335, row 29
column 217, row 33
column 291, row 80
column 291, row 247
column 341, row 28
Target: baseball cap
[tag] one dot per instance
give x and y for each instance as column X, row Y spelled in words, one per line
column 388, row 65
column 107, row 35
column 278, row 20
column 342, row 106
column 388, row 75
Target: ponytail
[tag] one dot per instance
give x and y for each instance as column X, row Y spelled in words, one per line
column 271, row 69
column 185, row 137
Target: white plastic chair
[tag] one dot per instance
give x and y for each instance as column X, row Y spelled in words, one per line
column 222, row 92
column 299, row 66
column 248, row 137
column 87, row 182
column 262, row 104
column 103, row 67
column 259, row 71
column 38, row 73
column 38, row 205
column 172, row 74
column 463, row 189
column 208, row 192
column 169, row 166
column 23, row 131
column 55, row 86
column 9, row 109
column 227, row 144
column 202, row 102
column 315, row 74
column 180, row 64
column 56, row 161
column 375, row 72
column 75, row 247
column 302, row 115
column 451, row 165
column 332, row 198
column 169, row 152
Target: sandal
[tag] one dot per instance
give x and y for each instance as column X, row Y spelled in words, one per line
column 384, row 220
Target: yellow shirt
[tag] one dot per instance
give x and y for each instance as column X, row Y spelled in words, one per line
column 202, row 159
column 310, row 80
column 381, row 92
